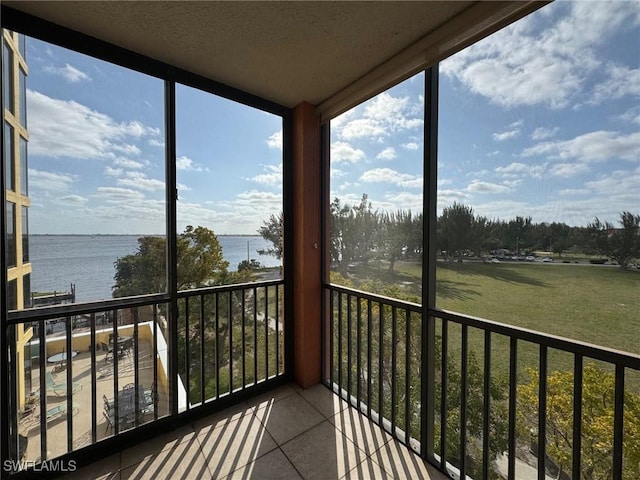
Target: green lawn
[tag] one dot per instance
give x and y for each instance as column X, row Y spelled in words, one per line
column 595, row 304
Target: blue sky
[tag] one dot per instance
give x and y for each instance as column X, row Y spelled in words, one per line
column 540, row 119
column 96, row 152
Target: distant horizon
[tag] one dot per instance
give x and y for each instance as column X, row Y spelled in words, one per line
column 133, row 234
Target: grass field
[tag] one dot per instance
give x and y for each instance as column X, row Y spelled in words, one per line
column 595, row 304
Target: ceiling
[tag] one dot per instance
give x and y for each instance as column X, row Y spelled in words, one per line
column 287, row 52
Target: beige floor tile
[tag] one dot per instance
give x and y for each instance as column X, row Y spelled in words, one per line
column 218, row 419
column 183, row 461
column 158, row 444
column 273, row 396
column 323, row 453
column 105, row 469
column 400, row 462
column 368, row 470
column 367, row 435
column 272, row 466
column 324, row 400
column 288, row 418
column 235, row 445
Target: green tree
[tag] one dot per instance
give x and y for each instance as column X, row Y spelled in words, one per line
column 353, row 232
column 597, row 421
column 455, row 227
column 272, row 231
column 396, row 234
column 199, row 263
column 621, row 245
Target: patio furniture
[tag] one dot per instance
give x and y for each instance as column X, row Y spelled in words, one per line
column 127, row 406
column 60, row 360
column 60, row 410
column 60, row 389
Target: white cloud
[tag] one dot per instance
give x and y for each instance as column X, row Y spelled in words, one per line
column 381, row 116
column 344, row 152
column 526, row 65
column 140, row 181
column 502, row 136
column 113, row 172
column 272, row 177
column 49, row 181
column 621, row 81
column 118, row 195
column 76, row 200
column 128, row 163
column 632, row 115
column 275, row 140
column 65, row 128
column 185, row 163
column 387, row 175
column 156, row 143
column 388, row 153
column 478, row 186
column 362, row 127
column 511, row 131
column 542, row 133
column 411, row 146
column 127, row 149
column 337, row 173
column 567, row 170
column 590, row 147
column 518, row 169
column 69, row 73
column 570, row 192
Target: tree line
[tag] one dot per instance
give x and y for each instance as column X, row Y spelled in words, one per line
column 358, row 234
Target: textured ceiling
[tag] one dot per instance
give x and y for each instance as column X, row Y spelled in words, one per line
column 287, row 52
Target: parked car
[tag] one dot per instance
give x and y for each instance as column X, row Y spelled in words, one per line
column 530, row 258
column 547, row 260
column 494, row 260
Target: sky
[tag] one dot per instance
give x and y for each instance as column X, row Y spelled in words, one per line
column 97, row 154
column 541, row 119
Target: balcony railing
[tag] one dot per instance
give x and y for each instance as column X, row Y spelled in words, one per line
column 97, row 371
column 425, row 386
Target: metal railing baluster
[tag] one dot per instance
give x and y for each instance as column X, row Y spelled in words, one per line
column 542, row 413
column 577, row 418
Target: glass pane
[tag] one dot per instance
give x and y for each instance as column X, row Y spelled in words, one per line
column 95, row 172
column 538, row 194
column 9, row 180
column 22, row 47
column 22, row 87
column 376, row 193
column 25, row 234
column 7, row 77
column 26, row 290
column 24, row 190
column 538, row 208
column 12, row 295
column 237, row 149
column 11, row 235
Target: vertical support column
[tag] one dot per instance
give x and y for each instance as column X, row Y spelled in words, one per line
column 307, row 207
column 430, row 197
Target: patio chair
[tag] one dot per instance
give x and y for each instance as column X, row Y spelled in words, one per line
column 59, row 411
column 108, row 415
column 60, row 389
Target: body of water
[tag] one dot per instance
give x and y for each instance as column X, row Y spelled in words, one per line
column 87, row 261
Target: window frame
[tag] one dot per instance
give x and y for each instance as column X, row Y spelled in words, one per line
column 28, row 25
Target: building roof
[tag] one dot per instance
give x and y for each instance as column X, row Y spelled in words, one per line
column 324, row 53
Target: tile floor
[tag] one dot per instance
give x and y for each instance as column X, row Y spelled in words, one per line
column 288, row 433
